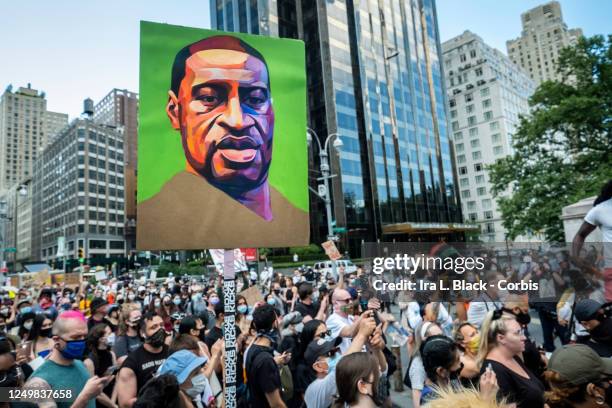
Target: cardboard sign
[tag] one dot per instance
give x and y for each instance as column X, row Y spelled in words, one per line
column 153, row 275
column 100, row 276
column 72, row 279
column 331, row 250
column 252, row 295
column 42, row 278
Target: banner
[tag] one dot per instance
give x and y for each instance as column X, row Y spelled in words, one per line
column 222, row 151
column 331, row 250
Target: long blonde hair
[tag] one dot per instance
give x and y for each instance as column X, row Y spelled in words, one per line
column 463, row 398
column 489, row 330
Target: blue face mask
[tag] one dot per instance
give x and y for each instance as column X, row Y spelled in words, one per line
column 177, row 301
column 74, row 349
column 242, row 309
column 25, row 310
column 332, row 362
column 271, row 301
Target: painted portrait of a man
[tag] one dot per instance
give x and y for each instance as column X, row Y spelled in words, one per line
column 220, row 104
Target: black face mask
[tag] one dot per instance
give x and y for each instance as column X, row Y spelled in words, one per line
column 603, row 331
column 376, row 399
column 9, row 378
column 157, row 339
column 455, row 374
column 522, row 318
column 277, row 291
column 46, row 332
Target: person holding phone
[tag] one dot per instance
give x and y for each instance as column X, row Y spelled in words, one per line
column 63, row 370
column 101, row 360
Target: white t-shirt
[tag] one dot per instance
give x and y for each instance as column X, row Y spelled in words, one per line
column 335, row 323
column 601, row 216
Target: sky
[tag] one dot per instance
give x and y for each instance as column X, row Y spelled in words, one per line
column 74, row 49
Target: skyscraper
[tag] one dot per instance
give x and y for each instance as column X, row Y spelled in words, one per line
column 544, row 35
column 78, row 193
column 120, row 108
column 25, row 128
column 486, row 93
column 396, row 172
column 54, row 123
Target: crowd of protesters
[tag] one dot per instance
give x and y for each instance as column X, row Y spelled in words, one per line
column 312, row 340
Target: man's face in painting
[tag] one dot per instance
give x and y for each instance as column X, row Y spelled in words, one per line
column 224, row 113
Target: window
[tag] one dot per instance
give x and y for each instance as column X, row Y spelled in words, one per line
column 488, row 215
column 494, row 125
column 478, row 167
column 490, row 228
column 472, row 53
column 478, row 71
column 471, row 205
column 465, row 193
column 475, row 143
column 496, row 138
column 462, row 58
column 497, row 150
column 464, row 182
column 473, row 132
column 476, row 155
column 460, row 147
column 452, row 103
column 469, row 97
column 469, row 109
column 458, row 136
column 480, row 179
column 481, row 191
column 116, row 244
column 484, row 92
column 463, row 170
column 486, row 203
column 471, row 120
column 461, row 158
column 486, row 103
column 455, row 125
column 472, row 216
column 453, row 114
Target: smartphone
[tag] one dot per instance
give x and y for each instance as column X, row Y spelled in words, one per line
column 111, row 370
column 24, row 349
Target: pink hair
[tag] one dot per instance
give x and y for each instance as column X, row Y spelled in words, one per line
column 72, row 314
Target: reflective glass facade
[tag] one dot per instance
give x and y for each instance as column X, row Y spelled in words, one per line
column 395, row 166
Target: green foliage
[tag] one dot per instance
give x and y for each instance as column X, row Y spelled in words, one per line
column 306, row 250
column 563, row 149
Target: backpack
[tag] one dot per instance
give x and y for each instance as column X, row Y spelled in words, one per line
column 286, row 383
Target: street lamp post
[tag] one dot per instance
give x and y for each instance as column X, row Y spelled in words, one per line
column 325, row 193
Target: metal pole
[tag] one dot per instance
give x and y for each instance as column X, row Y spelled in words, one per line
column 325, row 172
column 229, row 328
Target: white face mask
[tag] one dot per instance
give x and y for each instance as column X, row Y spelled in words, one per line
column 28, row 325
column 198, row 385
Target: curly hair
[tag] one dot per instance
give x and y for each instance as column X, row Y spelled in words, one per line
column 159, row 392
column 562, row 394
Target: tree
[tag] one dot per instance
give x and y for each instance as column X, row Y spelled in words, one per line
column 563, row 148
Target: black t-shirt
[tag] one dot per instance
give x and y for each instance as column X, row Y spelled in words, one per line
column 215, row 334
column 526, row 392
column 144, row 364
column 263, row 375
column 307, row 310
column 101, row 364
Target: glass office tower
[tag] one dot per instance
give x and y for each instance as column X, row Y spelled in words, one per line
column 375, row 77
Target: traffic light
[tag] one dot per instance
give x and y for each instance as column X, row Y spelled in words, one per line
column 81, row 255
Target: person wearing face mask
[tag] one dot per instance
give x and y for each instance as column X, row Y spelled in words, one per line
column 142, row 363
column 279, row 298
column 42, row 344
column 7, row 315
column 100, row 358
column 308, row 306
column 193, row 385
column 342, row 323
column 262, row 371
column 442, row 363
column 98, row 308
column 165, row 310
column 63, row 370
column 533, row 357
column 26, row 317
column 322, row 355
column 467, row 338
column 501, row 346
column 357, row 377
column 113, row 317
column 590, row 314
column 578, row 378
column 196, row 304
column 11, row 372
column 243, row 320
column 213, row 300
column 128, row 338
column 216, row 332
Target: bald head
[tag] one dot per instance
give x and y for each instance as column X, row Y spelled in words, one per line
column 340, row 294
column 70, row 324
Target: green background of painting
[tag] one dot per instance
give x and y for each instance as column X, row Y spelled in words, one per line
column 160, row 152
